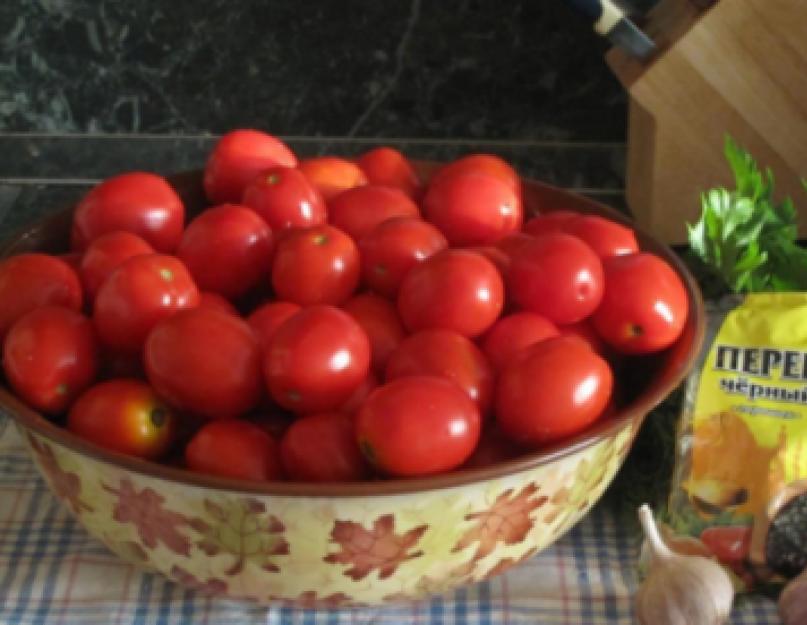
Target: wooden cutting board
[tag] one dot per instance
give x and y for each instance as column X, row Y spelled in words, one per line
column 737, row 68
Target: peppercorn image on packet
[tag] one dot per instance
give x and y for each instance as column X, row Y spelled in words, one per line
column 740, row 481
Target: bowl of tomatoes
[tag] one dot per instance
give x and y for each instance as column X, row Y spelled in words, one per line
column 331, row 381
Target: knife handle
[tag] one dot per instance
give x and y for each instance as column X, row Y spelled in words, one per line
column 604, row 13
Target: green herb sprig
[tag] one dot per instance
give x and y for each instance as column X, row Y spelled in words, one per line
column 744, row 237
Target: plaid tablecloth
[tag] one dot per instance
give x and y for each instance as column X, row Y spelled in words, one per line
column 52, row 572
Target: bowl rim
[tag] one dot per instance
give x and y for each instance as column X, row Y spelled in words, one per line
column 633, row 414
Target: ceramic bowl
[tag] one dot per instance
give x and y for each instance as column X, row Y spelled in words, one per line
column 345, row 544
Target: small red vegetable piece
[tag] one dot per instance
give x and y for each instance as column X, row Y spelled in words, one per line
column 487, row 164
column 28, row 281
column 316, row 360
column 729, row 544
column 387, row 166
column 607, row 238
column 557, row 388
column 125, row 416
column 217, row 302
column 238, row 157
column 284, row 198
column 107, row 253
column 317, row 265
column 234, row 448
column 359, row 210
column 417, row 426
column 558, row 276
column 206, row 363
column 645, row 305
column 393, row 248
column 322, row 448
column 449, row 355
column 137, row 202
column 266, row 319
column 332, row 175
column 546, row 223
column 456, row 290
column 360, row 395
column 512, row 334
column 50, row 356
column 227, row 249
column 379, row 319
column 472, row 208
column 137, row 295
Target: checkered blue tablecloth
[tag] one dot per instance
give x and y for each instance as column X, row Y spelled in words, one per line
column 52, row 572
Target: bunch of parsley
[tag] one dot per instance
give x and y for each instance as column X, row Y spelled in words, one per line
column 744, row 237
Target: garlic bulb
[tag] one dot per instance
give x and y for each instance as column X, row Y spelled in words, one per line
column 793, row 601
column 678, row 589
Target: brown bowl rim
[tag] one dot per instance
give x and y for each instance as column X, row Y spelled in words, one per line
column 634, row 413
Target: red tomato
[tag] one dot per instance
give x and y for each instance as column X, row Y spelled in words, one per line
column 472, row 208
column 234, row 448
column 322, row 448
column 547, row 223
column 205, row 362
column 379, row 319
column 284, row 198
column 239, row 156
column 729, row 544
column 125, row 416
column 28, row 281
column 107, row 253
column 137, row 202
column 217, row 302
column 358, row 211
column 556, row 389
column 455, row 290
column 227, row 249
column 316, row 360
column 317, row 265
column 585, row 330
column 512, row 334
column 607, row 238
column 514, row 242
column 645, row 305
column 331, row 175
column 266, row 319
column 557, row 276
column 137, row 295
column 487, row 164
column 50, row 357
column 417, row 426
column 390, row 168
column 360, row 395
column 494, row 255
column 393, row 248
column 449, row 355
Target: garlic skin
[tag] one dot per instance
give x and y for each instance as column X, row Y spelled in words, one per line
column 679, row 589
column 793, row 601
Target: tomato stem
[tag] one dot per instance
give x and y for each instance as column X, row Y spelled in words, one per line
column 158, row 416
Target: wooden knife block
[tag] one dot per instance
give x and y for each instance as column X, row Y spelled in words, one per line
column 738, row 68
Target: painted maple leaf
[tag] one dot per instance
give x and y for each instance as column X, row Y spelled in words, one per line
column 144, row 509
column 211, row 587
column 378, row 548
column 64, row 484
column 244, row 530
column 310, row 600
column 508, row 521
column 506, row 563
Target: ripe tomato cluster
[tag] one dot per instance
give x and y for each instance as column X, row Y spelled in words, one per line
column 330, row 319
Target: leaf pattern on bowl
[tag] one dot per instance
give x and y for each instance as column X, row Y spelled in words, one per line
column 378, row 548
column 211, row 586
column 64, row 484
column 154, row 523
column 508, row 521
column 241, row 529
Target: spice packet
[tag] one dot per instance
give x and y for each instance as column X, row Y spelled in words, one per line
column 740, row 481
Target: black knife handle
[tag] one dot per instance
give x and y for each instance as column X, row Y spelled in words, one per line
column 591, row 8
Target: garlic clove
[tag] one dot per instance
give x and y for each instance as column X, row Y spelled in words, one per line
column 793, row 601
column 680, row 589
